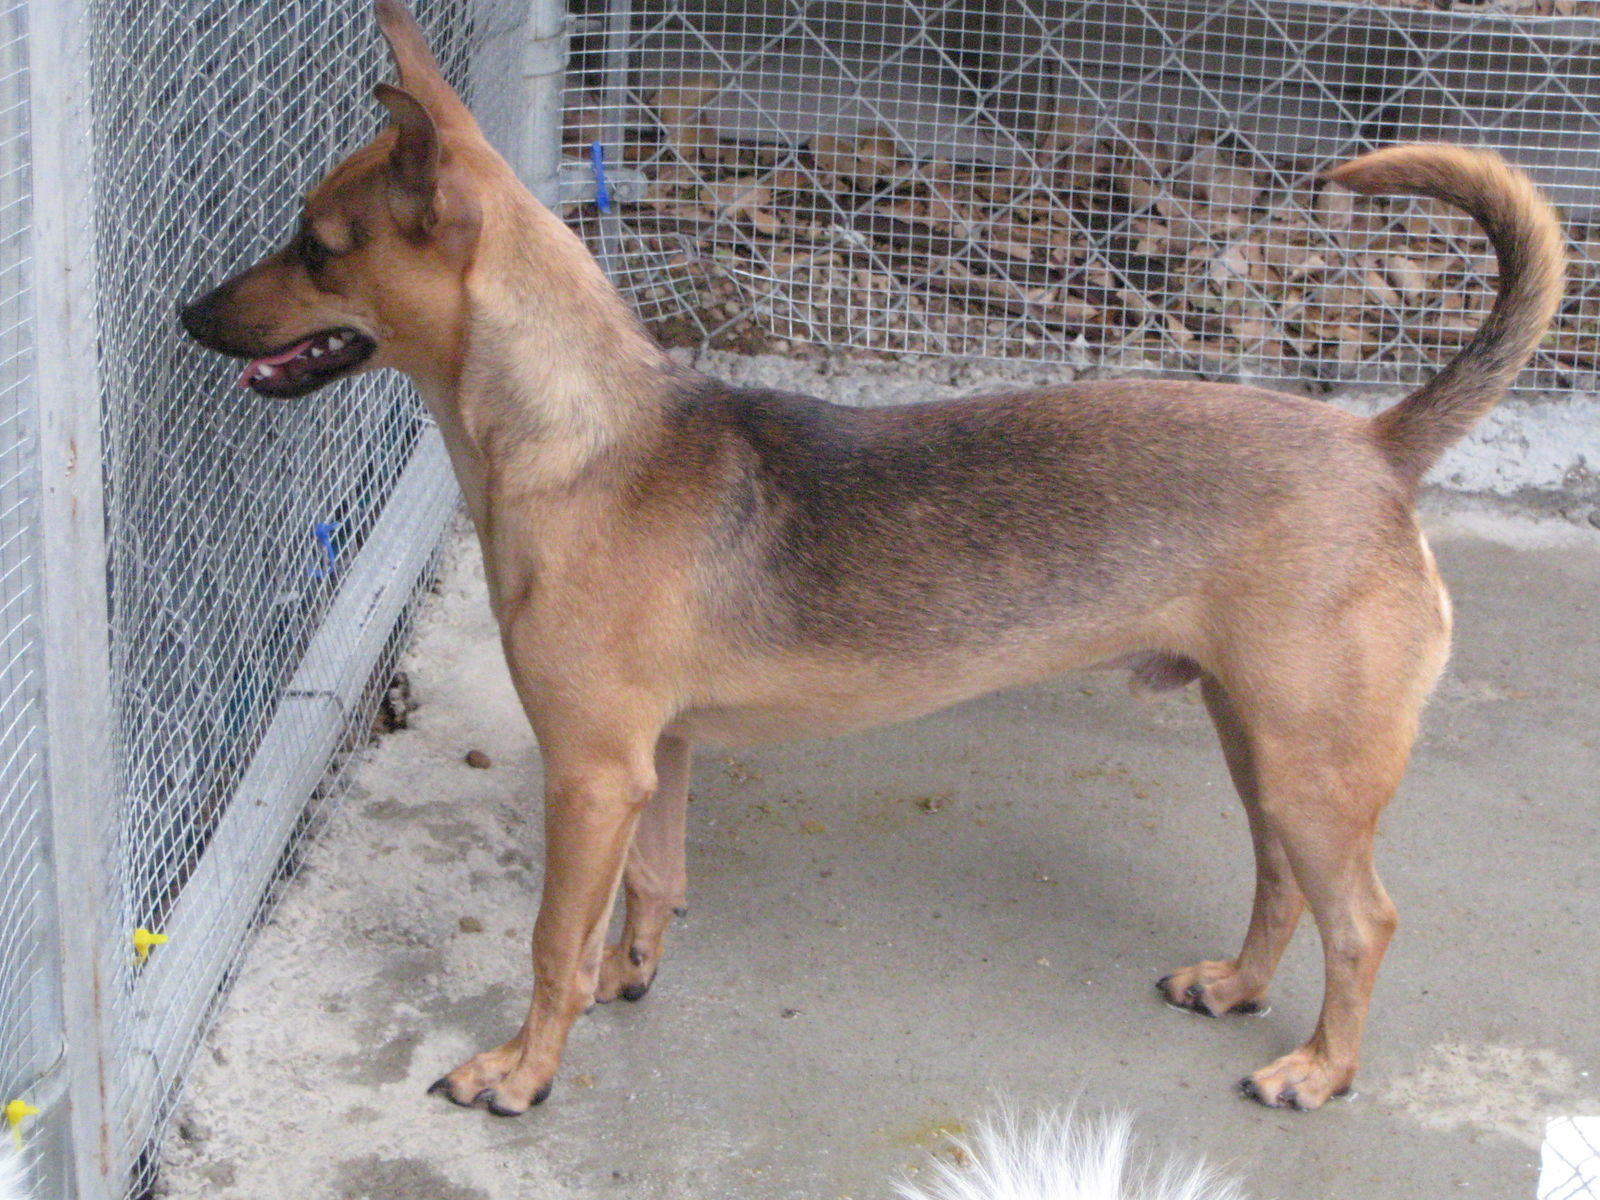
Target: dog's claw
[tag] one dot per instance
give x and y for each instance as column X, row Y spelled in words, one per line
column 1195, row 998
column 1288, row 1098
column 500, row 1110
column 441, row 1087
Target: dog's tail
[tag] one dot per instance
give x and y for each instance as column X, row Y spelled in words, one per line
column 1527, row 240
column 1062, row 1156
column 13, row 1179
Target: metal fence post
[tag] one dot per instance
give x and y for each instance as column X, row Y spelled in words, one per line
column 537, row 152
column 80, row 778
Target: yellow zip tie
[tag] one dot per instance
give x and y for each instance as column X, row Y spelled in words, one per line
column 143, row 939
column 16, row 1112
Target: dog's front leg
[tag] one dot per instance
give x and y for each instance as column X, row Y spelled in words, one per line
column 655, row 879
column 592, row 805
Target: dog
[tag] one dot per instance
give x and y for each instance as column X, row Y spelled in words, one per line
column 671, row 560
column 13, row 1174
column 1061, row 1155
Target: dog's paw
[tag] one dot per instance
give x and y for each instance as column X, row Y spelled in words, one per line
column 1303, row 1079
column 1211, row 989
column 625, row 971
column 503, row 1080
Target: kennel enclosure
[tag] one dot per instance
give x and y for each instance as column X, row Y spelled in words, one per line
column 1125, row 185
column 202, row 593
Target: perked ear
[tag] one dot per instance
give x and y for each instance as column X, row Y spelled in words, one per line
column 414, row 161
column 419, row 71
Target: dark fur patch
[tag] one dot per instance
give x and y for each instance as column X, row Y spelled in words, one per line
column 902, row 529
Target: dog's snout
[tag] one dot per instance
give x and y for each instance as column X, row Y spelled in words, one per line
column 198, row 317
column 189, row 318
column 212, row 320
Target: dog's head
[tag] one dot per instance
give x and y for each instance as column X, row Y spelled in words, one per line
column 374, row 275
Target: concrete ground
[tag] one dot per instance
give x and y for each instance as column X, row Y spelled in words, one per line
column 887, row 931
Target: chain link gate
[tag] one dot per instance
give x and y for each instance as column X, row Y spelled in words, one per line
column 1131, row 184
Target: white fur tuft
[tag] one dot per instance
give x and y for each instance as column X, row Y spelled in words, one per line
column 1062, row 1156
column 13, row 1184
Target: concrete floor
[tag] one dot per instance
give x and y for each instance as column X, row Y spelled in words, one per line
column 888, row 930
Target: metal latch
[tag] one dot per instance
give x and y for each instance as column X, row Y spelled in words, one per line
column 577, row 184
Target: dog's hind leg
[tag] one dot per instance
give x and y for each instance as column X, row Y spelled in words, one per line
column 1240, row 984
column 1325, row 814
column 1328, row 746
column 655, row 879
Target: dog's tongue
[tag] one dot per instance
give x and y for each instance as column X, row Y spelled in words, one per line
column 273, row 360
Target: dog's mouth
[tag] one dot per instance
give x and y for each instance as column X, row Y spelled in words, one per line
column 308, row 364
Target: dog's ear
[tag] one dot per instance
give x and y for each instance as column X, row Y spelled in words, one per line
column 414, row 161
column 419, row 70
column 428, row 197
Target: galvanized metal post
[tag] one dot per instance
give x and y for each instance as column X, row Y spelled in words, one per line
column 537, row 154
column 74, row 627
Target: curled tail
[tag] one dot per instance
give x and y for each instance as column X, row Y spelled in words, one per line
column 1527, row 240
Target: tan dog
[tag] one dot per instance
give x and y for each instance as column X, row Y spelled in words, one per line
column 671, row 560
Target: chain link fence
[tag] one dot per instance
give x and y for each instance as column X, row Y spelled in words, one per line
column 252, row 565
column 1132, row 184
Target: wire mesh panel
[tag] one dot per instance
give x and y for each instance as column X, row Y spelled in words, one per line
column 1130, row 183
column 29, row 1028
column 231, row 520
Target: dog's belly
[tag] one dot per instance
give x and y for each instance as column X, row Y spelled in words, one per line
column 780, row 700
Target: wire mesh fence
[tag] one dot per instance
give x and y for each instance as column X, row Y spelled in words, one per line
column 230, row 521
column 1132, row 183
column 29, row 1033
column 262, row 559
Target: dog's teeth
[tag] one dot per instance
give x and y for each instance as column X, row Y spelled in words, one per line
column 264, row 372
column 335, row 343
column 316, row 352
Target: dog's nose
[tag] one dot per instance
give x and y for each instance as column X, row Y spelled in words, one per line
column 189, row 318
column 192, row 317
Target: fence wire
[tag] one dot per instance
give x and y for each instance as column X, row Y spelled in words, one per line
column 1570, row 1159
column 1131, row 183
column 29, row 1034
column 229, row 518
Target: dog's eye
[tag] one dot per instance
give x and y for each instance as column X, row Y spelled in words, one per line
column 313, row 254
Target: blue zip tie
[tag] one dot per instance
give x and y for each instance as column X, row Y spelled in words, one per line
column 323, row 531
column 602, row 194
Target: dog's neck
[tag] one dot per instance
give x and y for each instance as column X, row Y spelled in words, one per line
column 555, row 373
